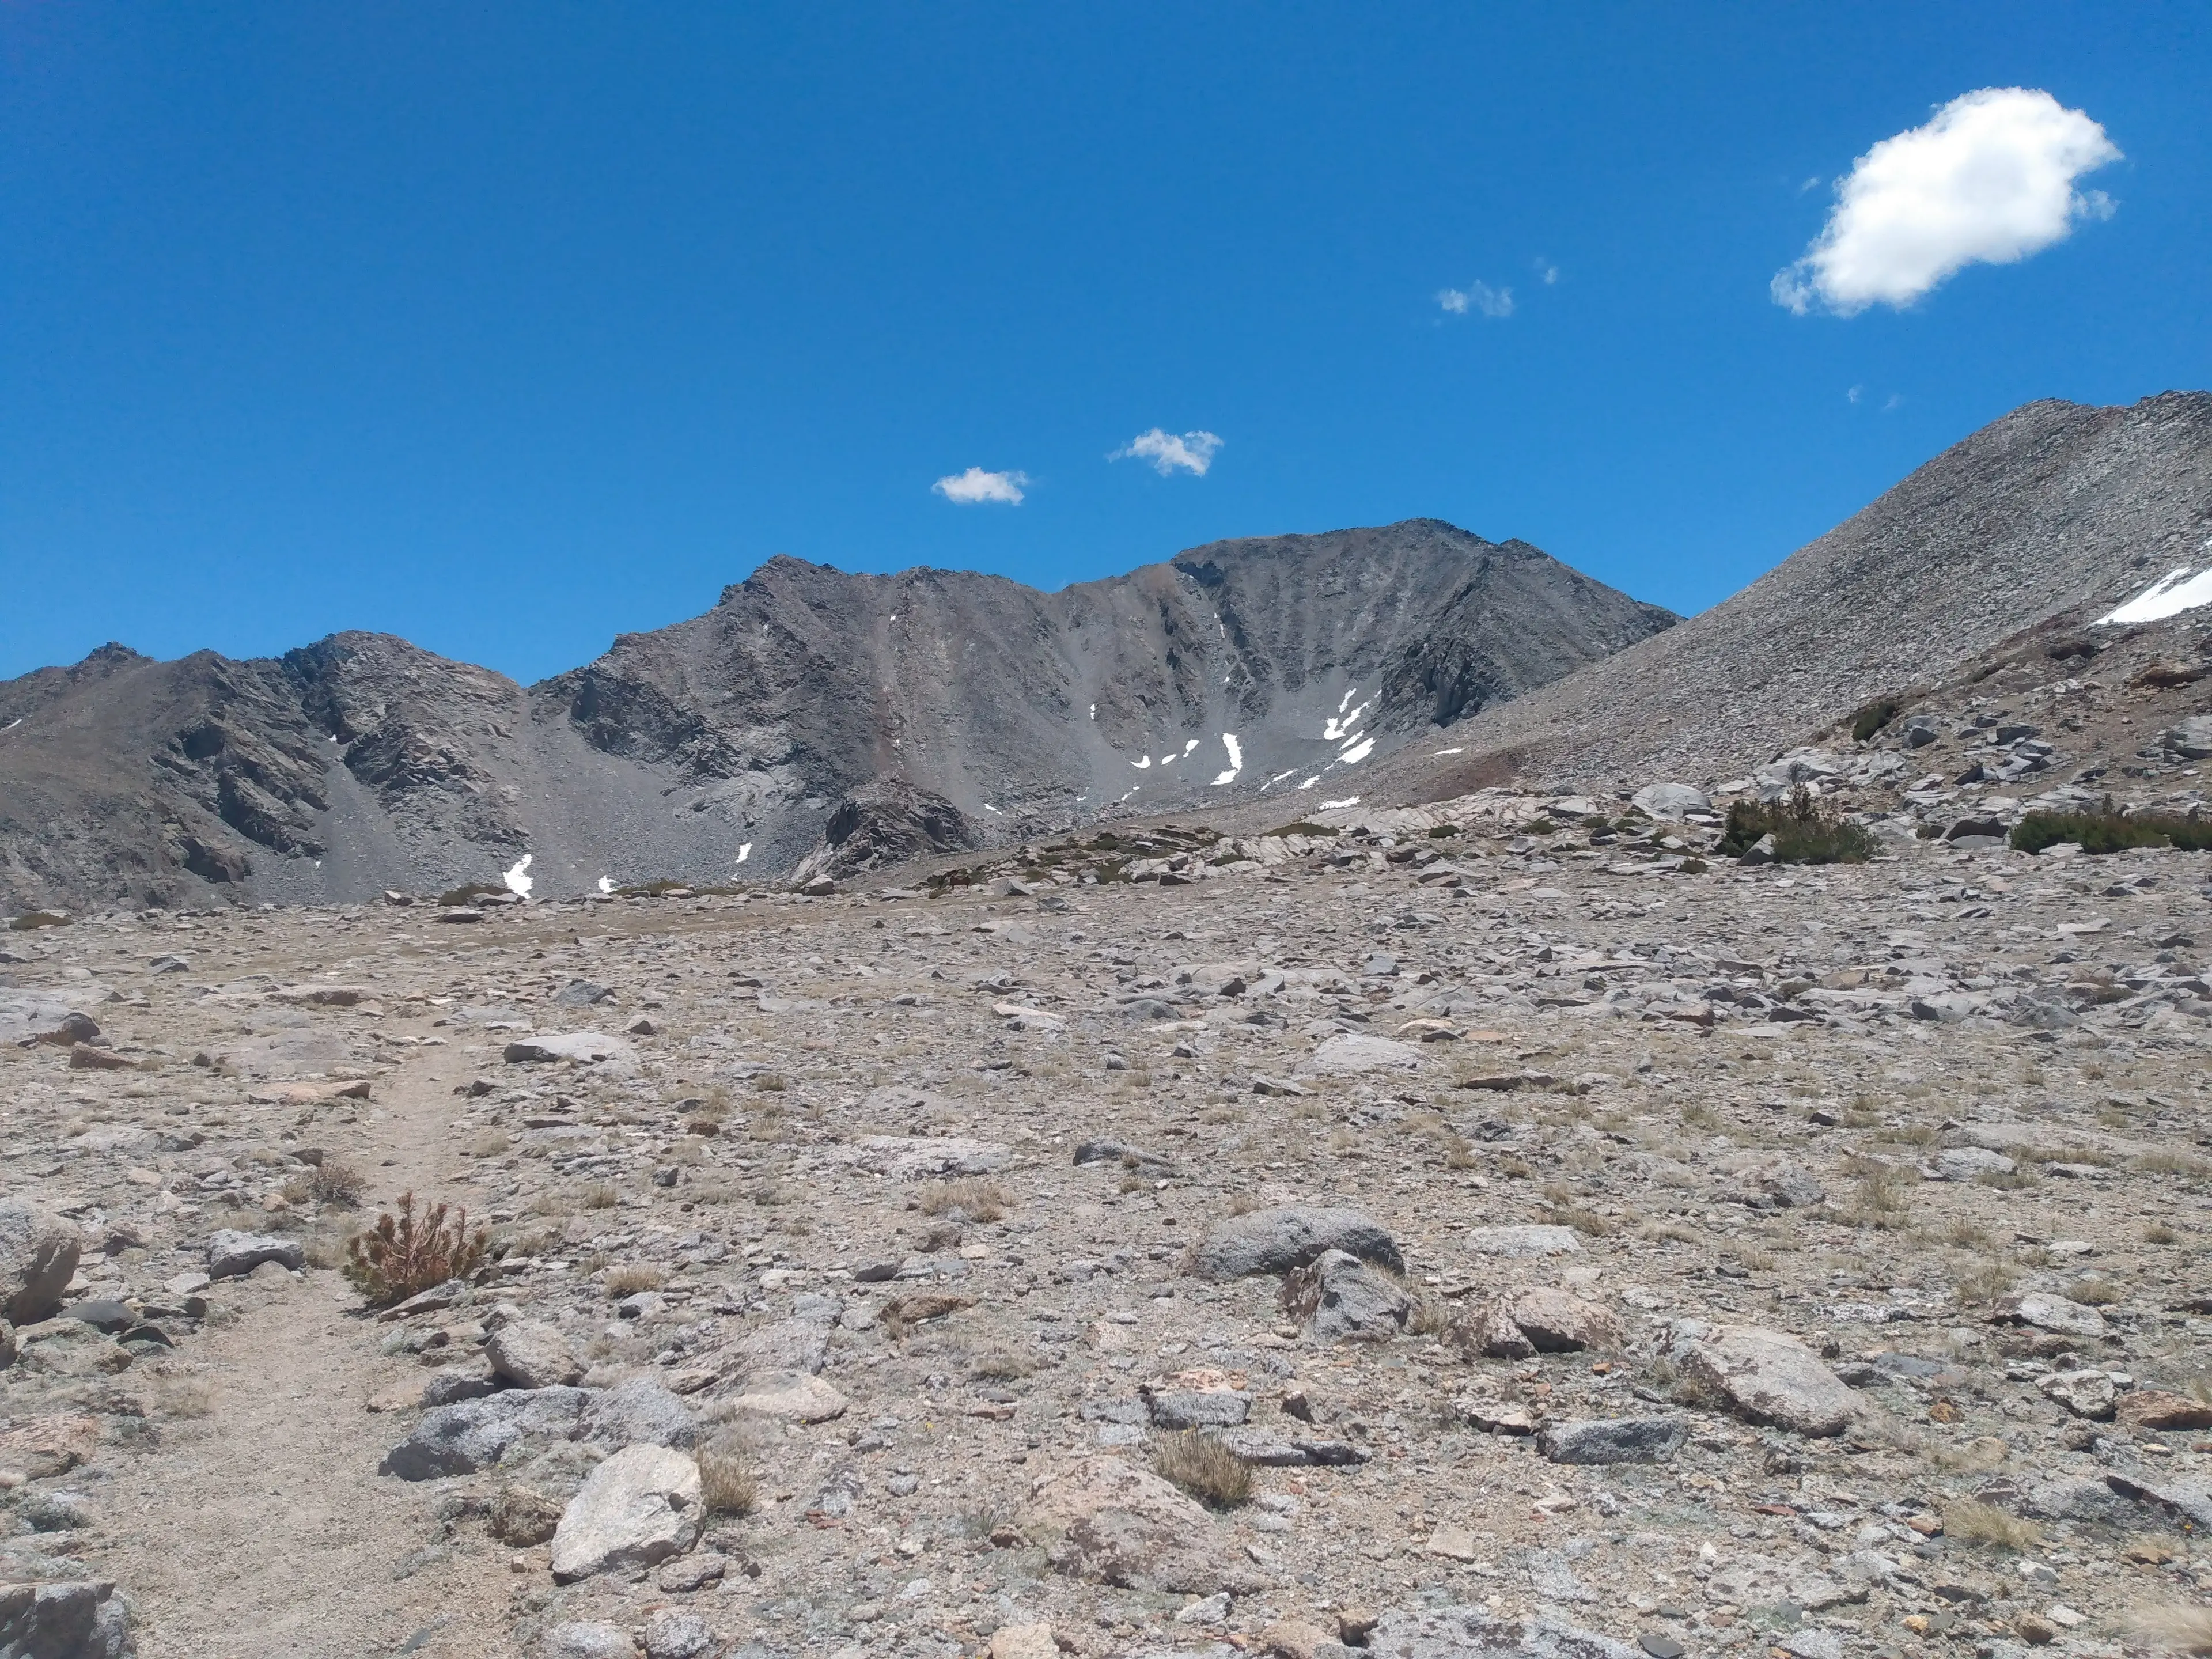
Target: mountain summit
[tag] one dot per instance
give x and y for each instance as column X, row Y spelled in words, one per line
column 810, row 712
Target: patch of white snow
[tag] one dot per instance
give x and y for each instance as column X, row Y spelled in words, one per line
column 745, row 852
column 517, row 882
column 1310, row 782
column 2169, row 596
column 1331, row 805
column 1142, row 761
column 606, row 883
column 1236, row 759
column 1451, row 751
column 1359, row 752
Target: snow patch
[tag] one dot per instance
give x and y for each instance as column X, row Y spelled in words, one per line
column 1350, row 692
column 1236, row 759
column 987, row 807
column 1192, row 744
column 1310, row 782
column 1344, row 725
column 2169, row 596
column 606, row 883
column 1141, row 761
column 1331, row 805
column 1451, row 751
column 1359, row 752
column 518, row 883
column 745, row 852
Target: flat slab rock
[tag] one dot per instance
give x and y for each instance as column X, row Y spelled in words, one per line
column 635, row 1510
column 585, row 1047
column 1354, row 1054
column 1770, row 1377
column 1614, row 1440
column 923, row 1157
column 1532, row 1240
column 1279, row 1240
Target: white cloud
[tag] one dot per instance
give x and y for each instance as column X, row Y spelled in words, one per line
column 1989, row 179
column 975, row 485
column 1194, row 452
column 1477, row 296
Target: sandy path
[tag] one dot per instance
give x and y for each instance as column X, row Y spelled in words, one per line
column 261, row 1530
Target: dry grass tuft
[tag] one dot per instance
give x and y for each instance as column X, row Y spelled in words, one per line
column 1979, row 1285
column 1978, row 1456
column 2095, row 1292
column 601, row 1195
column 1000, row 1366
column 972, row 1197
column 1969, row 1523
column 727, row 1485
column 1204, row 1467
column 631, row 1277
column 2175, row 1629
column 2160, row 1233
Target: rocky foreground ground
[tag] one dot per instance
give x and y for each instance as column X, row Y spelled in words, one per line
column 1424, row 1243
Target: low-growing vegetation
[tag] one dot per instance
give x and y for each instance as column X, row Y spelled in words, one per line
column 405, row 1255
column 1202, row 1466
column 2106, row 829
column 1802, row 833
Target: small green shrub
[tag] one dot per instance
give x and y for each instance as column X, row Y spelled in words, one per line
column 1802, row 833
column 1303, row 827
column 2108, row 829
column 1872, row 718
column 1443, row 830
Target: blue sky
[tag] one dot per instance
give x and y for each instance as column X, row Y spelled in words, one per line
column 509, row 327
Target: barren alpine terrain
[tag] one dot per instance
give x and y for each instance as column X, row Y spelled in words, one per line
column 1512, row 1224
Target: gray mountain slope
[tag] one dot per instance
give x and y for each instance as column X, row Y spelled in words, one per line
column 856, row 718
column 2053, row 506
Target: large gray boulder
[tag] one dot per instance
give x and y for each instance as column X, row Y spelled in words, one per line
column 1339, row 1296
column 1770, row 1377
column 83, row 1620
column 2192, row 739
column 1276, row 1241
column 37, row 1258
column 634, row 1511
column 532, row 1354
column 472, row 1435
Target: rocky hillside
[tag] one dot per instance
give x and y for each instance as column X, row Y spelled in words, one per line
column 2055, row 508
column 858, row 719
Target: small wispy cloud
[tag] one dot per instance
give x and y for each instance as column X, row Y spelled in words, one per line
column 1855, row 394
column 1989, row 179
column 976, row 486
column 1547, row 273
column 1478, row 297
column 1192, row 453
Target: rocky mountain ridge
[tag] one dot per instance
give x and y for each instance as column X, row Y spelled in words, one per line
column 873, row 715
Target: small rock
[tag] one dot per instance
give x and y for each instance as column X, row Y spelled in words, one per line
column 1354, row 1054
column 2092, row 1395
column 1771, row 1377
column 1340, row 1297
column 2047, row 1312
column 232, row 1255
column 38, row 1253
column 1614, row 1440
column 82, row 1619
column 520, row 1518
column 1278, row 1240
column 794, row 1397
column 2155, row 1409
column 674, row 1633
column 687, row 1573
column 585, row 1639
column 532, row 1354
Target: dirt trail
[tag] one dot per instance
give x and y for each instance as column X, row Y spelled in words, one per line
column 262, row 1529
